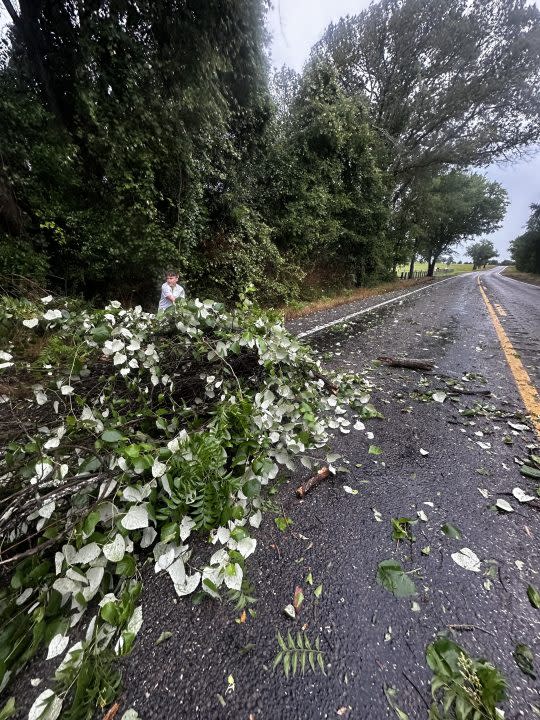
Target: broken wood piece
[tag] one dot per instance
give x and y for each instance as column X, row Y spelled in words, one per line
column 312, row 482
column 411, row 363
column 457, row 391
column 111, row 712
column 327, row 383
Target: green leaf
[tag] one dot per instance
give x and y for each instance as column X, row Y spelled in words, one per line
column 283, row 523
column 391, row 576
column 109, row 612
column 374, row 450
column 252, row 488
column 8, row 710
column 111, row 436
column 165, row 635
column 534, row 596
column 524, row 657
column 318, row 591
column 529, row 471
column 451, row 530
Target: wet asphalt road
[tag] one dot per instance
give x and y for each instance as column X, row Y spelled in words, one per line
column 372, row 639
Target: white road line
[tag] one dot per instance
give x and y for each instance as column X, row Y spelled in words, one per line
column 318, row 328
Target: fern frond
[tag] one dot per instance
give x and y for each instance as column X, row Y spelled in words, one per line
column 295, row 652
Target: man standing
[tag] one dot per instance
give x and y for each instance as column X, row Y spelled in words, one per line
column 170, row 291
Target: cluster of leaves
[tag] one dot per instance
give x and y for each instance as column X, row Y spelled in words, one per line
column 463, row 687
column 299, row 653
column 149, row 429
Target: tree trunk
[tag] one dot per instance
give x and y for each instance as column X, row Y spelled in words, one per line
column 411, row 266
column 431, row 266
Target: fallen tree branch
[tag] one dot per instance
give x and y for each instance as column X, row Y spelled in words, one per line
column 312, row 482
column 457, row 391
column 411, row 363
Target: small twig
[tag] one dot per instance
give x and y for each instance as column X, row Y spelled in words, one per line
column 472, row 628
column 500, row 578
column 111, row 712
column 422, row 698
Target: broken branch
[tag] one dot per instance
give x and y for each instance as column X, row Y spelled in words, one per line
column 312, row 482
column 411, row 363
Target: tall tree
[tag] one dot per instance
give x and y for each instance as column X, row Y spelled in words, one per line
column 327, row 196
column 448, row 82
column 458, row 206
column 144, row 113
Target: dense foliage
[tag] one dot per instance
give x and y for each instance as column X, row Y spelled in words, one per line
column 525, row 249
column 141, row 432
column 137, row 135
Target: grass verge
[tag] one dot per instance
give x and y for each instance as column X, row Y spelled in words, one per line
column 325, row 303
column 531, row 278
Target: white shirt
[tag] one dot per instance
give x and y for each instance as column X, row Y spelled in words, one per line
column 177, row 292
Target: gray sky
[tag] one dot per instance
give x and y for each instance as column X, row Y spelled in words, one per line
column 297, row 24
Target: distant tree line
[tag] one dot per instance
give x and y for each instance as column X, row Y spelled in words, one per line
column 138, row 135
column 525, row 249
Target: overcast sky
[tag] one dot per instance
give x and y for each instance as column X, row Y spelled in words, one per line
column 297, row 24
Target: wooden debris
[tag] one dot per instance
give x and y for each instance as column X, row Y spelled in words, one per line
column 111, row 712
column 411, row 363
column 312, row 482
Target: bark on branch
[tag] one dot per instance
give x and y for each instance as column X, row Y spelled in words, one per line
column 411, row 363
column 312, row 482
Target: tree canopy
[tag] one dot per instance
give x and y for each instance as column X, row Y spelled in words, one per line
column 481, row 253
column 448, row 82
column 525, row 249
column 138, row 135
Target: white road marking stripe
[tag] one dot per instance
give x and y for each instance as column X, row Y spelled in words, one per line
column 318, row 328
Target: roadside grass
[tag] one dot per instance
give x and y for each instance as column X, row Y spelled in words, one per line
column 442, row 268
column 531, row 278
column 297, row 310
column 325, row 302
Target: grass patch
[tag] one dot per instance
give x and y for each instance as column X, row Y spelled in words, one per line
column 531, row 278
column 326, row 303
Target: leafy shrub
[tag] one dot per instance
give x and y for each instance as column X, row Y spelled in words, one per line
column 149, row 429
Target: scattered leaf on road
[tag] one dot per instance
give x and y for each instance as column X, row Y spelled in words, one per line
column 534, row 596
column 467, row 559
column 377, row 515
column 318, row 591
column 521, row 495
column 426, row 550
column 451, row 530
column 523, row 655
column 424, row 452
column 298, row 598
column 350, row 490
column 290, row 611
column 439, row 396
column 374, row 450
column 504, row 505
column 422, row 515
column 391, row 576
column 165, row 635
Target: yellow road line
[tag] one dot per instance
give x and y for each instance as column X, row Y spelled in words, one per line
column 528, row 392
